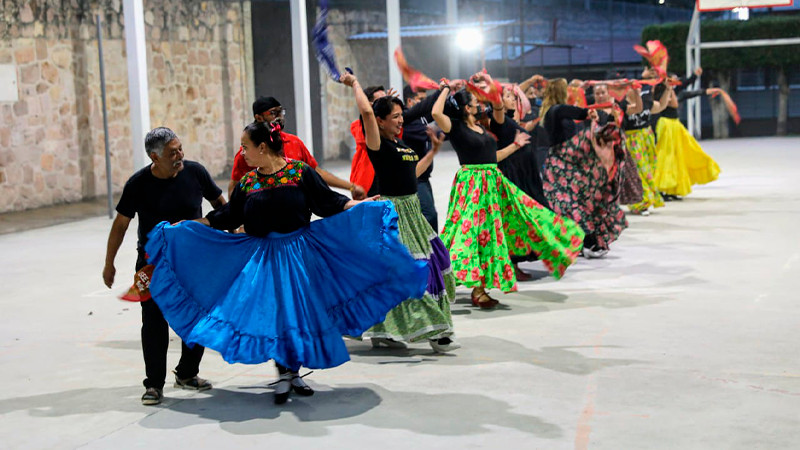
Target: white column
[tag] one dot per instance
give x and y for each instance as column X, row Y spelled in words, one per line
column 393, row 41
column 698, row 122
column 302, row 84
column 452, row 21
column 692, row 61
column 247, row 57
column 137, row 78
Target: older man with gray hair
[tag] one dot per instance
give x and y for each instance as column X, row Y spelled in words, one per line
column 171, row 189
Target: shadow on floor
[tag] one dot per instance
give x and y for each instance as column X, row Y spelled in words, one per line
column 482, row 350
column 242, row 411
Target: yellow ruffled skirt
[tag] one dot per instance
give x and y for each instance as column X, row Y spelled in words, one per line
column 680, row 162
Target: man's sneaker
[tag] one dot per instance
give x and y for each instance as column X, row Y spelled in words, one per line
column 194, row 384
column 152, row 396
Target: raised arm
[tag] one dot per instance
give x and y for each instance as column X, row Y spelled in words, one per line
column 673, row 99
column 499, row 113
column 437, row 112
column 571, row 112
column 530, row 82
column 662, row 102
column 634, row 100
column 421, row 109
column 685, row 95
column 371, row 132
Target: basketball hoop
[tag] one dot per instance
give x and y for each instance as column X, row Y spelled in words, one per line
column 694, row 44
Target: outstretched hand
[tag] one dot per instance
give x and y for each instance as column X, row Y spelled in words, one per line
column 436, row 139
column 457, row 85
column 347, row 79
column 352, row 203
column 522, row 139
column 358, row 192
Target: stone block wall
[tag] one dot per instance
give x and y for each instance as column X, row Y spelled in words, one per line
column 51, row 139
column 368, row 59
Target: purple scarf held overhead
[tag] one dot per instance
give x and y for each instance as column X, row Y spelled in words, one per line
column 322, row 46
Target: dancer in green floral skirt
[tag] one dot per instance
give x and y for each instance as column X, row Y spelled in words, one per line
column 397, row 167
column 489, row 218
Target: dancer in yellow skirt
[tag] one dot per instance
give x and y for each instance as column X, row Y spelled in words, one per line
column 681, row 162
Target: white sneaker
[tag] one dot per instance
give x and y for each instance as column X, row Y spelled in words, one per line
column 594, row 254
column 384, row 342
column 444, row 348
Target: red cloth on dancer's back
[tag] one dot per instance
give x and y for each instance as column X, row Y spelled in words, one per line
column 293, row 148
column 361, row 171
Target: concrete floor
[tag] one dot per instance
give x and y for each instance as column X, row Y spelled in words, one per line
column 684, row 337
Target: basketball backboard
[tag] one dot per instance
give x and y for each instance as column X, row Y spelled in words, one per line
column 725, row 5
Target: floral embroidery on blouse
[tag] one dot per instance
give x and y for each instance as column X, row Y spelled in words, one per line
column 289, row 175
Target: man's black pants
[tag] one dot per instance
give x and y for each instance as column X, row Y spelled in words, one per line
column 155, row 343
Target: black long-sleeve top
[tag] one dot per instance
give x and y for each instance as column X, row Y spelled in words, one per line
column 415, row 135
column 281, row 201
column 559, row 121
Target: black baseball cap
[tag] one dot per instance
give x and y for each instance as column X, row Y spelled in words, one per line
column 263, row 104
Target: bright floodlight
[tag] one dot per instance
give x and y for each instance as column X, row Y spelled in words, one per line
column 469, row 39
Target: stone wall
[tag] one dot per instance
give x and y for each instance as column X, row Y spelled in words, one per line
column 368, row 59
column 339, row 104
column 51, row 140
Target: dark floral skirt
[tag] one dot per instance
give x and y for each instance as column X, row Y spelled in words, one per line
column 578, row 186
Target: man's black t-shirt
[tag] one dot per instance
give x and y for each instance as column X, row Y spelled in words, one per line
column 173, row 199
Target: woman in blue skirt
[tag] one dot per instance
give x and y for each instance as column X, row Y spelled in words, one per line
column 289, row 288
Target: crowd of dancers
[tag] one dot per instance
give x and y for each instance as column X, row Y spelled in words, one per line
column 545, row 166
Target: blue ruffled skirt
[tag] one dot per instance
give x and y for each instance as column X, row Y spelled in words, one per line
column 288, row 297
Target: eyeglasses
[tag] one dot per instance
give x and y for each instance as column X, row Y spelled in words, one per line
column 277, row 112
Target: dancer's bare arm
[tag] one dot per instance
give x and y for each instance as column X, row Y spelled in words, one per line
column 371, row 132
column 438, row 109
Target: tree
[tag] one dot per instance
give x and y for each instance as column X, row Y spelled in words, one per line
column 724, row 61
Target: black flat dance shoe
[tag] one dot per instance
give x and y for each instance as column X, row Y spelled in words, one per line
column 300, row 387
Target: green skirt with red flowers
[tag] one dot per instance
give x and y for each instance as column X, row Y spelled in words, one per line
column 488, row 219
